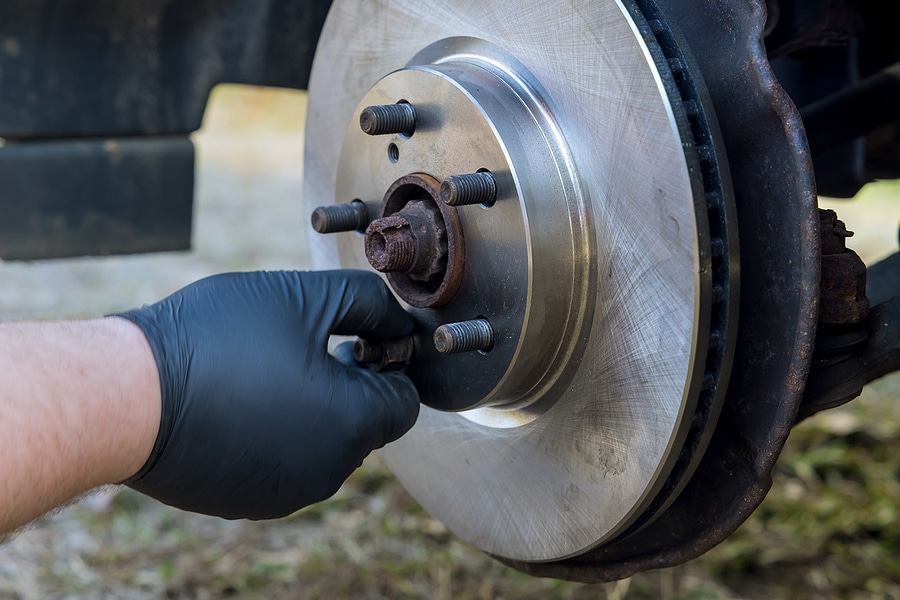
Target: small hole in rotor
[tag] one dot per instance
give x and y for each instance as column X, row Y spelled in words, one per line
column 393, row 152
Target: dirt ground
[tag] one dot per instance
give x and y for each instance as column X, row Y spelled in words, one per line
column 829, row 529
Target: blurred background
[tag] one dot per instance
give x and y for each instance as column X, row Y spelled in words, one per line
column 830, row 528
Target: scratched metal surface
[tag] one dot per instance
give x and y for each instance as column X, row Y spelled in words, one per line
column 584, row 469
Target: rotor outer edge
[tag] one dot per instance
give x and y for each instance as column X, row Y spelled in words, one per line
column 778, row 219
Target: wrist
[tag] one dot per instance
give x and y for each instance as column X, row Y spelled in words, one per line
column 135, row 403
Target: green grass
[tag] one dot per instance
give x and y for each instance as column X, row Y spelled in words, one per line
column 828, row 529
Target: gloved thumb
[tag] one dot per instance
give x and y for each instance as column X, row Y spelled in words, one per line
column 389, row 405
column 343, row 353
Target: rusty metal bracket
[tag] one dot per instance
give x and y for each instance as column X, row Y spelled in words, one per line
column 855, row 345
column 848, row 357
column 837, row 374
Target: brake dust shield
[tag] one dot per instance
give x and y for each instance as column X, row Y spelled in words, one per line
column 602, row 262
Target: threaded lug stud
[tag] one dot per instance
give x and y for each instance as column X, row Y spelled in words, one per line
column 388, row 119
column 340, row 217
column 471, row 188
column 381, row 356
column 464, row 336
column 366, row 353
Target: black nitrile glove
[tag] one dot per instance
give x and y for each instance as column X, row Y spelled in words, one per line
column 258, row 420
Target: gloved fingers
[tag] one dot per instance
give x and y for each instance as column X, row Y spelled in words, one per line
column 407, row 404
column 344, row 354
column 387, row 406
column 360, row 303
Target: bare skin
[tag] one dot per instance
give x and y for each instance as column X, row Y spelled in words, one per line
column 79, row 408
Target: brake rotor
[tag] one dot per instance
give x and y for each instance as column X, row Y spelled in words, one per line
column 601, row 267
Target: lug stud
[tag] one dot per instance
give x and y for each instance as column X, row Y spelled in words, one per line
column 365, row 352
column 381, row 356
column 340, row 217
column 472, row 188
column 388, row 119
column 464, row 336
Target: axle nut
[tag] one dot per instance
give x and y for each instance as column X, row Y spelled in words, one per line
column 417, row 242
column 390, row 245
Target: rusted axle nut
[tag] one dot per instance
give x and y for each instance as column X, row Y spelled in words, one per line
column 390, row 244
column 411, row 241
column 417, row 242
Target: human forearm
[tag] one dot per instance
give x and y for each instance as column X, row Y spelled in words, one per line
column 79, row 408
column 221, row 399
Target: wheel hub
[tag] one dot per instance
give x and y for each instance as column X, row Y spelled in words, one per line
column 474, row 116
column 418, row 241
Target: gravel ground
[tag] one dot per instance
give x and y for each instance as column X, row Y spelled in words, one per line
column 829, row 529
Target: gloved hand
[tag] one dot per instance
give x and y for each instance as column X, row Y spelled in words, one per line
column 258, row 420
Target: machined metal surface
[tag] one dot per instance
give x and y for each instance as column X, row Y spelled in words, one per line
column 780, row 265
column 532, row 239
column 543, row 475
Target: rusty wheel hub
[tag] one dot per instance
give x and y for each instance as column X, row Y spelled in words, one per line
column 418, row 241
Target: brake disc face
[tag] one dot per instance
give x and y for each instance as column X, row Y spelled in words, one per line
column 589, row 266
